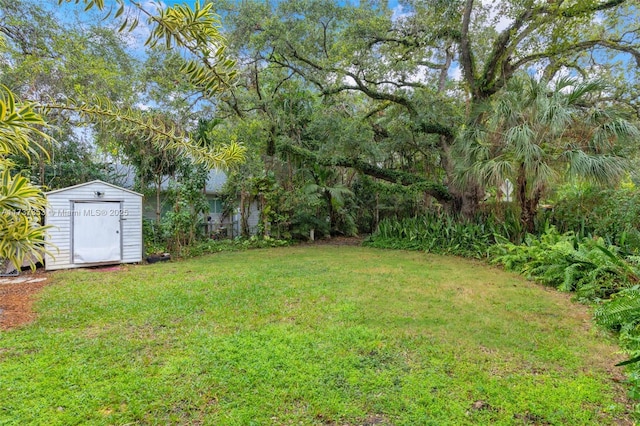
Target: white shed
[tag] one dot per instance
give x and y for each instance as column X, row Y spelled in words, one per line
column 94, row 223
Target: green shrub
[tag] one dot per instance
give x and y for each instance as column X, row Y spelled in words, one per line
column 596, row 271
column 622, row 314
column 442, row 234
column 542, row 258
column 613, row 214
column 587, row 266
column 152, row 237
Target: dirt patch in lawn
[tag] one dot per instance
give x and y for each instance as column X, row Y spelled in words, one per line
column 16, row 298
column 337, row 241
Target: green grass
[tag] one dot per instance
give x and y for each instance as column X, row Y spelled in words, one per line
column 307, row 335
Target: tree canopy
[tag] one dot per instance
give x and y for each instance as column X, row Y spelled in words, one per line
column 387, row 93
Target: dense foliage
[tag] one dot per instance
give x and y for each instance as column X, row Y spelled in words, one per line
column 588, row 266
column 609, row 213
column 21, row 203
column 71, row 76
column 332, row 99
column 442, row 234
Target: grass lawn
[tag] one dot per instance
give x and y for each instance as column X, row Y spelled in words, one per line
column 322, row 335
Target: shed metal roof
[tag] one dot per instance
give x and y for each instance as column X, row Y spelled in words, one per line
column 92, row 182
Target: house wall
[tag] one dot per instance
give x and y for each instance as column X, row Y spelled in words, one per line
column 59, row 214
column 216, row 220
column 149, row 207
column 214, row 186
column 253, row 220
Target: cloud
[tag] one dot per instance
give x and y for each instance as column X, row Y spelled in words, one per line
column 399, row 13
column 143, row 106
column 455, row 73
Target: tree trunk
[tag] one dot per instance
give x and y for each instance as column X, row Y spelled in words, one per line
column 465, row 201
column 528, row 204
column 471, row 200
column 158, row 191
column 266, row 225
column 245, row 211
column 528, row 213
column 332, row 218
column 376, row 216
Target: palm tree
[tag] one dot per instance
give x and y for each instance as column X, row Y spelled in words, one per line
column 536, row 133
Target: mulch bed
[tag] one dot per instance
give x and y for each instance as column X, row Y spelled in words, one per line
column 16, row 300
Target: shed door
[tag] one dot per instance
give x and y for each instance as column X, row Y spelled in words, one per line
column 96, row 232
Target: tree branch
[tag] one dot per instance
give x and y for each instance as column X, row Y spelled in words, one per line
column 442, row 79
column 359, row 85
column 609, row 44
column 436, row 190
column 581, row 10
column 466, row 55
column 501, row 50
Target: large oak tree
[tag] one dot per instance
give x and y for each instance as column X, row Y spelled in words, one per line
column 429, row 67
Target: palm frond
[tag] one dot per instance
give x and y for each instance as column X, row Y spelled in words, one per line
column 197, row 30
column 495, row 171
column 338, row 194
column 600, row 168
column 613, row 130
column 581, row 90
column 539, row 174
column 21, row 235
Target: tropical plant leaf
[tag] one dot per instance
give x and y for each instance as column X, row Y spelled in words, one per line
column 633, row 360
column 162, row 133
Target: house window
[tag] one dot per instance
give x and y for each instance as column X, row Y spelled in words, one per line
column 215, row 205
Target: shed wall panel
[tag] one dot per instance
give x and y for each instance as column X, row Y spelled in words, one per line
column 60, row 216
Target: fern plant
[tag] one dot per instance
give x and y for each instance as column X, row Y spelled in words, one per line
column 622, row 314
column 622, row 311
column 588, row 267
